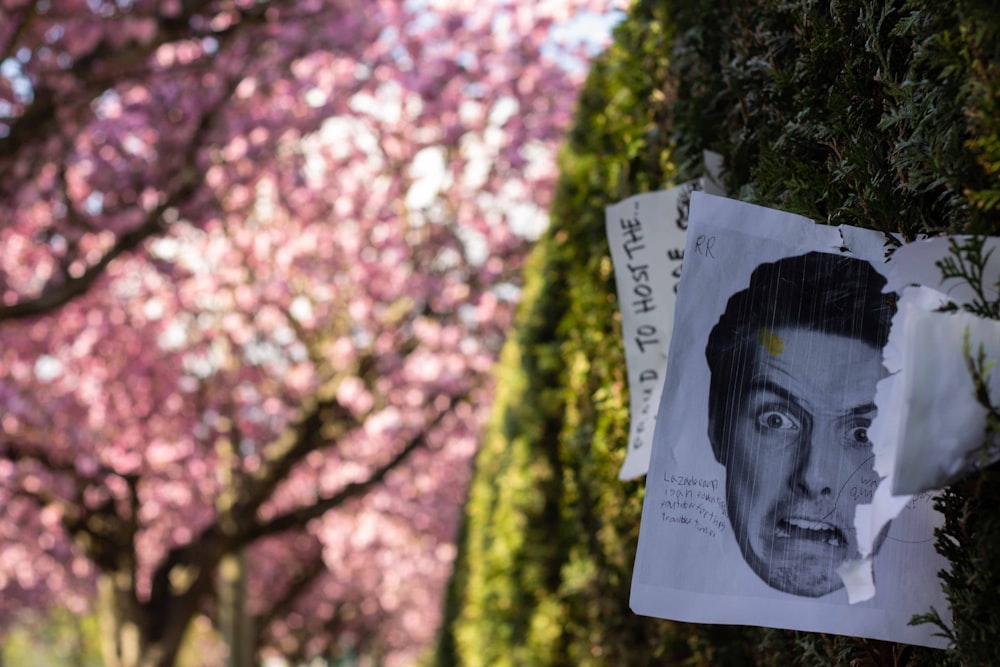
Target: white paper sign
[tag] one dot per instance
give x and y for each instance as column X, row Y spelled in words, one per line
column 760, row 451
column 646, row 235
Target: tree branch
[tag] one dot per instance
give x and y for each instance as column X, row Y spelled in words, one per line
column 54, row 296
column 301, row 515
column 41, row 116
column 303, row 577
column 30, row 13
column 223, row 535
column 57, row 296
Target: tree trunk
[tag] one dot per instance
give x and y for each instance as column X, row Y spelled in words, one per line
column 118, row 613
column 234, row 621
column 135, row 634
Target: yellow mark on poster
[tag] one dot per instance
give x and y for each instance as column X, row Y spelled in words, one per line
column 771, row 341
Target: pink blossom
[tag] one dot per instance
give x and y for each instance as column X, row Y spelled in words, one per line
column 219, row 310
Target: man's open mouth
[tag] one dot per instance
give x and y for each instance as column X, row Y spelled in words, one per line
column 809, row 529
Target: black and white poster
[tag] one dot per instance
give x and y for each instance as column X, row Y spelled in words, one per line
column 761, row 452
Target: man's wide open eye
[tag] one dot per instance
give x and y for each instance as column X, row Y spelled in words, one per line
column 776, row 420
column 859, row 435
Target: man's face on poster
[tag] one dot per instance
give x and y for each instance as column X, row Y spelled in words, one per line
column 793, row 436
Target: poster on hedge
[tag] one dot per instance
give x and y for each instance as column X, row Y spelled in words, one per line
column 761, row 451
column 646, row 235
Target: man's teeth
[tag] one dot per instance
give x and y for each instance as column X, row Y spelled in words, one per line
column 806, row 528
column 810, row 525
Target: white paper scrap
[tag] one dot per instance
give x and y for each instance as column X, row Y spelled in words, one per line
column 942, row 429
column 929, row 428
column 859, row 579
column 889, row 397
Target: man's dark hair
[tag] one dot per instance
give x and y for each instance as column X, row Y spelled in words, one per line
column 818, row 291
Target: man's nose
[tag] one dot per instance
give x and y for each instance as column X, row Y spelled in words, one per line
column 816, row 467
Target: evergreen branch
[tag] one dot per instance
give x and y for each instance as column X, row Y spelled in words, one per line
column 979, row 368
column 967, row 262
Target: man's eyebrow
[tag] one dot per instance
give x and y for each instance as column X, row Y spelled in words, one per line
column 774, row 388
column 770, row 386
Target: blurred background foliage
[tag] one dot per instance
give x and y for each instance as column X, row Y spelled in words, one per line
column 61, row 638
column 884, row 115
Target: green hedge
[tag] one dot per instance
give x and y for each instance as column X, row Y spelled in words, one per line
column 878, row 114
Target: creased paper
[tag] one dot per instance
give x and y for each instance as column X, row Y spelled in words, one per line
column 890, row 396
column 930, row 428
column 942, row 437
column 646, row 235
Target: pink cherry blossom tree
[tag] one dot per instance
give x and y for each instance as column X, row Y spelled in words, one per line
column 256, row 262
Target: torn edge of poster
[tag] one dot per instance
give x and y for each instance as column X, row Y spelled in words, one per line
column 646, row 234
column 931, row 429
